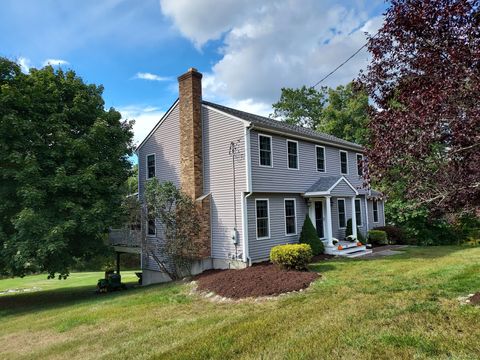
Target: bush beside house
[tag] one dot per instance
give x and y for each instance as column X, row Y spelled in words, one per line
column 309, row 236
column 291, row 256
column 395, row 235
column 377, row 237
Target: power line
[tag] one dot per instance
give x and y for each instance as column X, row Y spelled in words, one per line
column 343, row 63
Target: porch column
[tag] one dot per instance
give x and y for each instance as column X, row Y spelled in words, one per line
column 354, row 219
column 329, row 221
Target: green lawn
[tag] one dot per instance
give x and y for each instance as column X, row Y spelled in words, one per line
column 397, row 307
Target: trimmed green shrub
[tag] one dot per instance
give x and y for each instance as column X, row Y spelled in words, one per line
column 291, row 256
column 377, row 237
column 395, row 235
column 348, row 230
column 309, row 236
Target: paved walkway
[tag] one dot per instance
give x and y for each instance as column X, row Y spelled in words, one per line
column 386, row 250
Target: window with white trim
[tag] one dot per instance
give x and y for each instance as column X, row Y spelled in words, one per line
column 359, row 164
column 265, row 149
column 151, row 227
column 358, row 212
column 263, row 221
column 342, row 221
column 320, row 150
column 292, row 154
column 150, row 166
column 375, row 211
column 343, row 162
column 290, row 217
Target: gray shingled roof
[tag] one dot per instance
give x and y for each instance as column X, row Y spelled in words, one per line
column 323, row 184
column 264, row 122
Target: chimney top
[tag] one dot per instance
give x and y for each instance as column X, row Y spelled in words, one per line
column 190, row 72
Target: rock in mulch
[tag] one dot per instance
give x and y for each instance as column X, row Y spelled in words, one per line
column 254, row 281
column 475, row 299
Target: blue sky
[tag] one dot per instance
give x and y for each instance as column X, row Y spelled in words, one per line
column 247, row 50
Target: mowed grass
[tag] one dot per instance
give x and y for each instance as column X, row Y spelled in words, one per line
column 399, row 307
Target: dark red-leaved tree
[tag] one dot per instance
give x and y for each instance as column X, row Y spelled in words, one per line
column 424, row 80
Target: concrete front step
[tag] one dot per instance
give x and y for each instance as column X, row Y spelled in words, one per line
column 359, row 253
column 350, row 251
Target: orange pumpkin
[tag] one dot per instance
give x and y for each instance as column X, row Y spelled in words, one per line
column 340, row 247
column 359, row 243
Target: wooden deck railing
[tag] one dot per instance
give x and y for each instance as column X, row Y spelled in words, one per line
column 125, row 237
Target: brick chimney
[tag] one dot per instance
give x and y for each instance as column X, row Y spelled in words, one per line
column 191, row 162
column 191, row 149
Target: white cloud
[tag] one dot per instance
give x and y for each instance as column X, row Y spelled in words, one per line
column 55, row 62
column 25, row 64
column 150, row 76
column 146, row 117
column 276, row 44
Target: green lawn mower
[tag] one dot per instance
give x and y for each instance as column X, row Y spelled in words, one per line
column 111, row 282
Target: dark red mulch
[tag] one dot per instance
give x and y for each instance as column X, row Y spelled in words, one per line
column 321, row 257
column 259, row 280
column 475, row 299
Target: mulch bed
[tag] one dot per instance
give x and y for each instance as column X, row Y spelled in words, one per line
column 475, row 299
column 322, row 257
column 255, row 281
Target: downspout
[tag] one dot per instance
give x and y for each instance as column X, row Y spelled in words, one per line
column 248, row 193
column 366, row 215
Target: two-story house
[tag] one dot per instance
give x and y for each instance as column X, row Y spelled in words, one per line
column 279, row 174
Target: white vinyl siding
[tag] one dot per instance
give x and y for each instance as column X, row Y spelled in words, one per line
column 263, row 218
column 320, row 156
column 343, row 162
column 292, row 154
column 290, row 217
column 265, row 150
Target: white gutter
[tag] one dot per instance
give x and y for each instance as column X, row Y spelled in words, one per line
column 248, row 170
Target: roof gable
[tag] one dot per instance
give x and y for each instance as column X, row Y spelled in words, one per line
column 332, row 185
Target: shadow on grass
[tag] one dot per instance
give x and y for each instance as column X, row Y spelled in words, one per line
column 56, row 298
column 422, row 252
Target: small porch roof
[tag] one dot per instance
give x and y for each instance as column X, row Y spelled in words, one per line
column 339, row 186
column 331, row 185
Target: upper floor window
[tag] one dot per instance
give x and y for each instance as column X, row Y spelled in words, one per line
column 265, row 150
column 375, row 211
column 342, row 221
column 150, row 166
column 290, row 217
column 359, row 164
column 320, row 158
column 343, row 162
column 358, row 212
column 292, row 154
column 263, row 221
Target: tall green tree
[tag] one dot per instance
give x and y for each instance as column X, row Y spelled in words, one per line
column 346, row 114
column 302, row 106
column 63, row 166
column 342, row 112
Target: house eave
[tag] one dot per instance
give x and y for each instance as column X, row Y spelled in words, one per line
column 311, row 139
column 162, row 119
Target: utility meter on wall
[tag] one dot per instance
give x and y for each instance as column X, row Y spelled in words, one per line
column 234, row 236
